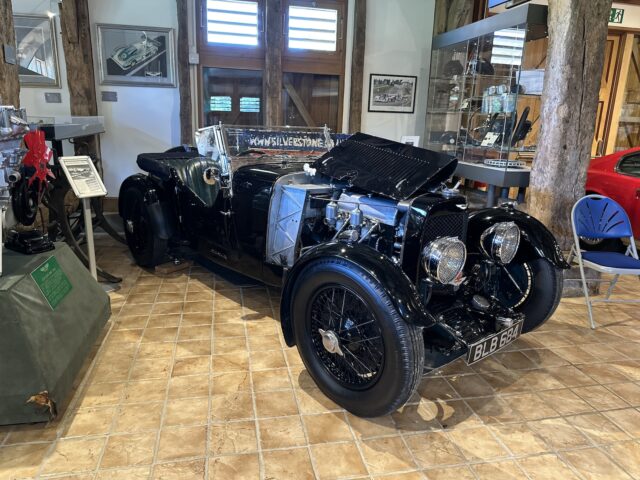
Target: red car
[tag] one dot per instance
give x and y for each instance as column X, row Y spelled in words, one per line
column 617, row 176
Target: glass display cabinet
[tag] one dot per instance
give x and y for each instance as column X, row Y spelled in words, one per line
column 484, row 97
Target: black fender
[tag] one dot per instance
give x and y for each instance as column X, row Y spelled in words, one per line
column 395, row 282
column 160, row 212
column 536, row 240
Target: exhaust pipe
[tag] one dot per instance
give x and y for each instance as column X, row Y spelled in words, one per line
column 14, row 177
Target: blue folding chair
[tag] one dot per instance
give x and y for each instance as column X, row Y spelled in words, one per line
column 599, row 217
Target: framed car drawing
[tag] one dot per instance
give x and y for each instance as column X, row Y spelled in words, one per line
column 36, row 53
column 143, row 56
column 392, row 93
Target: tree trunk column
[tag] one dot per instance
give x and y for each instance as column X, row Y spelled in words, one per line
column 272, row 79
column 9, row 79
column 577, row 38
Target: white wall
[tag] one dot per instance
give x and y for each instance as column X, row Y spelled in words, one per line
column 399, row 34
column 144, row 119
column 32, row 98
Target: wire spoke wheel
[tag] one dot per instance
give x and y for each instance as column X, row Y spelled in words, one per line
column 346, row 337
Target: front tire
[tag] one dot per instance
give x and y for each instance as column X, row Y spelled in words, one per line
column 352, row 340
column 538, row 292
column 147, row 248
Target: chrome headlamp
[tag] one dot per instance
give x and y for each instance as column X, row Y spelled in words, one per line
column 444, row 258
column 500, row 242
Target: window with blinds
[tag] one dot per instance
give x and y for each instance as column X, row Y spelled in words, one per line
column 232, row 22
column 507, row 47
column 313, row 28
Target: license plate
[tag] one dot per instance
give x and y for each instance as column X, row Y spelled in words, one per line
column 492, row 344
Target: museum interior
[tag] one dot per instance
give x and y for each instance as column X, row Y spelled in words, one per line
column 319, row 239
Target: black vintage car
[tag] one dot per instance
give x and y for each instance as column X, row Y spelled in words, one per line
column 385, row 273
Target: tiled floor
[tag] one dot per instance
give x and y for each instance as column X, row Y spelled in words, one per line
column 193, row 381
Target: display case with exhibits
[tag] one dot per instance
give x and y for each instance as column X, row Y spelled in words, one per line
column 484, row 95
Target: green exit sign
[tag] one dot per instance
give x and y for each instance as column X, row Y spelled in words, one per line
column 616, row 15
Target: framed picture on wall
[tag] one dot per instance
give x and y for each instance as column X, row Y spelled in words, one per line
column 136, row 56
column 36, row 53
column 392, row 93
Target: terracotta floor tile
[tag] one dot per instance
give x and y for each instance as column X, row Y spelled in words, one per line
column 36, row 432
column 226, row 345
column 335, row 460
column 155, row 350
column 603, row 373
column 164, row 320
column 232, row 438
column 150, row 368
column 327, row 427
column 221, row 330
column 190, row 386
column 191, row 366
column 470, row 386
column 267, row 360
column 401, row 476
column 182, row 442
column 159, row 334
column 267, row 380
column 170, row 297
column 283, row 432
column 230, row 382
column 519, row 439
column 184, row 470
column 627, row 455
column 138, row 473
column 193, row 348
column 493, row 410
column 433, row 449
column 102, row 395
column 452, row 473
column 547, row 467
column 600, row 398
column 19, row 461
column 627, row 419
column 138, row 417
column 196, row 319
column 598, row 428
column 386, row 455
column 559, row 434
column 435, row 388
column 286, row 464
column 230, row 362
column 233, row 406
column 94, row 421
column 235, row 466
column 74, row 455
column 276, row 404
column 593, row 464
column 530, row 406
column 312, row 400
column 498, row 471
column 187, row 411
column 629, row 392
column 477, row 444
column 129, row 450
column 455, row 414
column 565, row 401
column 371, row 427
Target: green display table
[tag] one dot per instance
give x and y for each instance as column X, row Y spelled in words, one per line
column 51, row 313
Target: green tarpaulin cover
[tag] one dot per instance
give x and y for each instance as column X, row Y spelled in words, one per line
column 51, row 313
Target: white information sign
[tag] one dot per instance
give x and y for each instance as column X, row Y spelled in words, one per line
column 83, row 177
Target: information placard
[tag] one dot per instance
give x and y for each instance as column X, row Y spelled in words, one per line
column 52, row 282
column 83, row 177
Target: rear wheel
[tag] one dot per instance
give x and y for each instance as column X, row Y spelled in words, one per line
column 353, row 342
column 533, row 288
column 147, row 249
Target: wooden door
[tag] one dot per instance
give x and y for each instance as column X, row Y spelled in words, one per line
column 606, row 94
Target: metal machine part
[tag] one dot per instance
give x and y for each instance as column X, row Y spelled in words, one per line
column 289, row 207
column 381, row 210
column 500, row 242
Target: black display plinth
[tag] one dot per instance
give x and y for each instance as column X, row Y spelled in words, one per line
column 51, row 313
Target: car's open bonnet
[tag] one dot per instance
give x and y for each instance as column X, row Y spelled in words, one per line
column 385, row 167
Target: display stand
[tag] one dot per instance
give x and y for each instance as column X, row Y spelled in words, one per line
column 86, row 184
